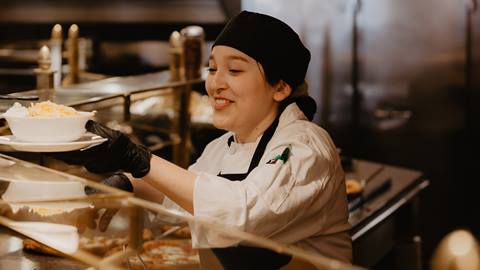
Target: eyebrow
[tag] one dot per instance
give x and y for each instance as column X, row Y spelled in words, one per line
column 233, row 57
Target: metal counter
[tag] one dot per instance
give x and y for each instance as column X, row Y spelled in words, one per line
column 122, row 91
column 386, row 217
column 101, row 90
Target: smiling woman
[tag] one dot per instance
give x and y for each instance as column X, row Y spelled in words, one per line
column 237, row 88
column 274, row 173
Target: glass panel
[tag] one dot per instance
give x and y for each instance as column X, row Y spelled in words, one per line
column 52, row 214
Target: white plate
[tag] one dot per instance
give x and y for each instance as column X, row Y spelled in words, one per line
column 88, row 139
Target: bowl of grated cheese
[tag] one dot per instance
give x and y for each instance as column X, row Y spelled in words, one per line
column 46, row 122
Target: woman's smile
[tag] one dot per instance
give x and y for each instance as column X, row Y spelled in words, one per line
column 221, row 103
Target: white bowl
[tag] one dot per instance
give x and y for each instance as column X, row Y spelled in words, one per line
column 48, row 129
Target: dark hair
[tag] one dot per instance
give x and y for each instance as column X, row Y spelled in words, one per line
column 306, row 103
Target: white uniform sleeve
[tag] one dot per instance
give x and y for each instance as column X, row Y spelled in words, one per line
column 271, row 197
column 172, row 206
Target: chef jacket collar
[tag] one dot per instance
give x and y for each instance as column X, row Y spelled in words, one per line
column 291, row 113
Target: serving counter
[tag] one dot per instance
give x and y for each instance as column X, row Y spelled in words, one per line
column 374, row 219
column 42, row 200
column 386, row 215
column 114, row 98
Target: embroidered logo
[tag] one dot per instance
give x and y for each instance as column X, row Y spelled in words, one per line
column 283, row 157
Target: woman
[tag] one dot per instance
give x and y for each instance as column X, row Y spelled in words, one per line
column 274, row 173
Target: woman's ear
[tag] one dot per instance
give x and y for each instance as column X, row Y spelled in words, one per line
column 282, row 91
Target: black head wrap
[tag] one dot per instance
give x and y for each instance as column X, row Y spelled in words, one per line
column 276, row 47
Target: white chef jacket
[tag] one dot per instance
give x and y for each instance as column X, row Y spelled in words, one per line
column 300, row 202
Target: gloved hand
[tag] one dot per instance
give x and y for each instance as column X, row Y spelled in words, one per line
column 118, row 180
column 118, row 153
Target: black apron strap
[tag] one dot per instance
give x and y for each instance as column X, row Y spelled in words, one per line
column 250, row 258
column 262, row 145
column 244, row 257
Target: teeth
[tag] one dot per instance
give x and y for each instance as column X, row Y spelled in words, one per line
column 221, row 101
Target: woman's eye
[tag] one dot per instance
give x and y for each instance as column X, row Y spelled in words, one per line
column 234, row 71
column 211, row 70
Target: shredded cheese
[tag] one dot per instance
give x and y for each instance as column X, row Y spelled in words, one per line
column 50, row 109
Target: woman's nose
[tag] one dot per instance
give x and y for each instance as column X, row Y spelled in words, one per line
column 216, row 82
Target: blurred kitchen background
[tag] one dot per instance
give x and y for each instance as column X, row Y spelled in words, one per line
column 396, row 82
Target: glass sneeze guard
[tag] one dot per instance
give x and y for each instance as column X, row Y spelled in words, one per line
column 51, row 208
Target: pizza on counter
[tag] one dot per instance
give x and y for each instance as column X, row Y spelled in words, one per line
column 172, row 252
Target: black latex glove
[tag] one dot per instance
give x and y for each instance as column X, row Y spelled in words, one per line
column 118, row 153
column 118, row 180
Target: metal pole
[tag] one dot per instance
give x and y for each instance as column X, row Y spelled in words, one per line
column 176, row 73
column 176, row 52
column 56, row 54
column 72, row 77
column 193, row 39
column 43, row 72
column 127, row 102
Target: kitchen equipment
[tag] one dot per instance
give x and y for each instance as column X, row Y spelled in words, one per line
column 13, row 97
